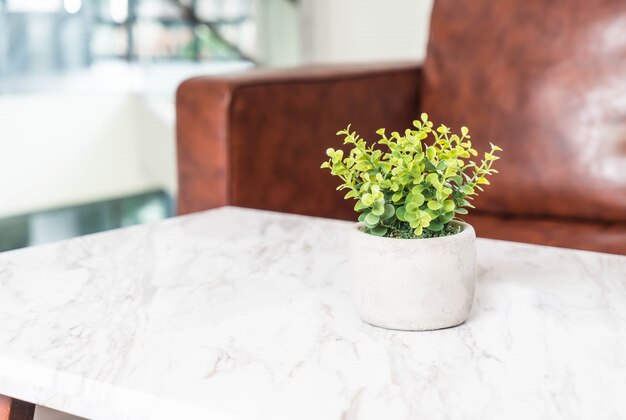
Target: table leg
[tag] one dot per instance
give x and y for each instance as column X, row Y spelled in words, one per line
column 12, row 409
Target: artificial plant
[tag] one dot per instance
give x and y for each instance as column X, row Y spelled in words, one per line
column 418, row 185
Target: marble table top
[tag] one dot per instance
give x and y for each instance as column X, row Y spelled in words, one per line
column 243, row 314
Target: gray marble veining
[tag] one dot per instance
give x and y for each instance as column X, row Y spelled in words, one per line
column 243, row 314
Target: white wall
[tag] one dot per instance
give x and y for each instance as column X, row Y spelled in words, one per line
column 101, row 134
column 59, row 150
column 339, row 31
column 278, row 33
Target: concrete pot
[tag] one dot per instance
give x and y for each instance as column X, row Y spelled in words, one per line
column 413, row 284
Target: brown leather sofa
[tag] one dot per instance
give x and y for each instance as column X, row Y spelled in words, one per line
column 544, row 80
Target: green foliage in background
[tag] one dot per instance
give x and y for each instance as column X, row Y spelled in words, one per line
column 417, row 187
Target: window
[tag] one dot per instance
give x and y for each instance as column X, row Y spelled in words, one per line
column 43, row 36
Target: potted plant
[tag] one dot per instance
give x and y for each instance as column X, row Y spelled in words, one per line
column 413, row 260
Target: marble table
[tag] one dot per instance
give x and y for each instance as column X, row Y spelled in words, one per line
column 243, row 314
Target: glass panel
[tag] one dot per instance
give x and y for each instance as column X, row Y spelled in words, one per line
column 54, row 225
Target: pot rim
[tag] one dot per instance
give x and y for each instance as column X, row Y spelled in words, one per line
column 467, row 229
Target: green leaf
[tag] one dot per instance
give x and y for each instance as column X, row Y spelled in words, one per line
column 371, row 220
column 433, row 205
column 362, row 216
column 431, row 213
column 460, row 210
column 431, row 152
column 396, row 197
column 432, row 179
column 363, row 166
column 425, row 218
column 390, row 211
column 367, row 199
column 378, row 209
column 400, row 211
column 385, row 166
column 350, row 194
column 446, row 217
column 467, row 190
column 435, row 226
column 378, row 230
column 409, row 217
column 417, row 189
column 412, row 207
column 448, row 205
column 359, row 206
column 418, row 199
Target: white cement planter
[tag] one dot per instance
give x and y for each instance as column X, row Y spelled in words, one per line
column 413, row 284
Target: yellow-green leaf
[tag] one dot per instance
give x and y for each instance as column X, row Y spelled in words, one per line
column 431, row 152
column 433, row 205
column 448, row 205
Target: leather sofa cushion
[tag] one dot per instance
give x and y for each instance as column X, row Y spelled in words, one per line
column 545, row 80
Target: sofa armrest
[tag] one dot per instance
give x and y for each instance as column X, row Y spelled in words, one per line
column 257, row 139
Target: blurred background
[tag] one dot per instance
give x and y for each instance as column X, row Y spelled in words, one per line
column 87, row 92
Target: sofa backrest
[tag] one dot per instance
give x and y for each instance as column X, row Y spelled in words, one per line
column 545, row 80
